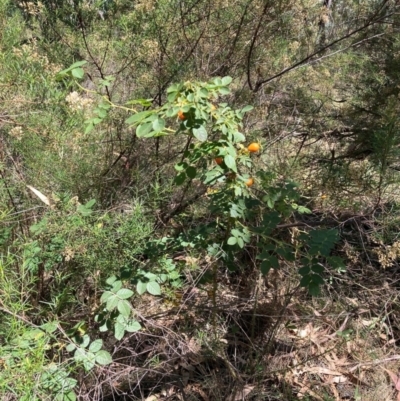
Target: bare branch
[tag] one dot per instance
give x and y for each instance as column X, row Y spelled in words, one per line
column 375, row 19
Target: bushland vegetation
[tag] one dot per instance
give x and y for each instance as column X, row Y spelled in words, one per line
column 199, row 200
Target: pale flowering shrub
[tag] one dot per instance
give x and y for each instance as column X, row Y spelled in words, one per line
column 145, row 5
column 149, row 50
column 30, row 53
column 76, row 102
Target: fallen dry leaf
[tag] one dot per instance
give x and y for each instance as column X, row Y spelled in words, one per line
column 152, row 398
column 339, row 379
column 394, row 377
column 305, row 389
column 322, row 370
column 42, row 197
column 241, row 394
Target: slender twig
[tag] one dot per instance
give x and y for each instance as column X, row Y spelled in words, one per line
column 370, row 22
column 23, row 319
column 98, row 66
column 252, row 44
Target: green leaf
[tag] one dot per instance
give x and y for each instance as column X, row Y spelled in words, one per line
column 105, row 106
column 226, row 80
column 203, row 92
column 68, row 383
column 159, row 124
column 181, row 166
column 86, row 341
column 345, row 333
column 90, row 204
column 111, row 280
column 174, row 88
column 141, row 287
column 247, row 108
column 238, row 136
column 212, row 176
column 322, row 241
column 191, row 172
column 70, row 396
column 269, row 222
column 142, row 102
column 143, row 129
column 103, row 357
column 101, row 113
column 71, row 67
column 154, row 288
column 89, row 128
column 124, row 307
column 200, row 133
column 124, row 293
column 312, row 282
column 78, row 73
column 122, row 319
column 105, row 296
column 232, row 241
column 88, row 364
column 83, row 211
column 105, row 326
column 314, row 289
column 286, row 252
column 172, row 96
column 305, row 280
column 79, row 355
column 137, row 117
column 305, row 270
column 317, row 269
column 119, row 331
column 151, row 276
column 70, row 347
column 77, row 64
column 50, row 327
column 116, row 285
column 271, row 261
column 303, row 210
column 96, row 345
column 265, row 267
column 224, row 91
column 230, row 162
column 316, row 278
column 180, row 178
column 240, row 242
column 112, row 302
column 336, row 262
column 133, row 326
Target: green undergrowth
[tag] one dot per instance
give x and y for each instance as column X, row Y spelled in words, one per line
column 138, row 229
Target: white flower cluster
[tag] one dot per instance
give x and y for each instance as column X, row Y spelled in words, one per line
column 293, row 46
column 16, row 133
column 78, row 103
column 32, row 8
column 389, row 254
